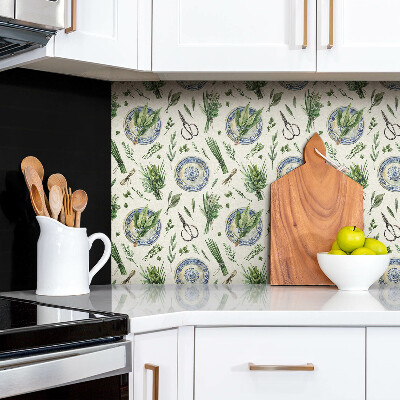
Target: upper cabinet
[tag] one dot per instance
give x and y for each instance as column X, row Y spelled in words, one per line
column 234, row 35
column 358, row 36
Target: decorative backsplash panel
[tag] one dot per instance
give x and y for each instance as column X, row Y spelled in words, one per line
column 192, row 163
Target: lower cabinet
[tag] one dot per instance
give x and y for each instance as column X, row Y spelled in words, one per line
column 287, row 363
column 155, row 365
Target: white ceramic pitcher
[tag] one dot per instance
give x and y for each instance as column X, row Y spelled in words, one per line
column 63, row 258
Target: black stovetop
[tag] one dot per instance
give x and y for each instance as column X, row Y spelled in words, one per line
column 27, row 325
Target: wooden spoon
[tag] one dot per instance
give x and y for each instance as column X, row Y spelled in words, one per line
column 58, row 180
column 79, row 201
column 32, row 178
column 34, row 163
column 36, row 200
column 56, row 201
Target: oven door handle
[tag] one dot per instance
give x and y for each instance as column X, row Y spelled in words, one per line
column 30, row 374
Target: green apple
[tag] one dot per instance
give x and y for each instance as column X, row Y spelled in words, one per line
column 363, row 251
column 337, row 252
column 335, row 246
column 350, row 238
column 375, row 245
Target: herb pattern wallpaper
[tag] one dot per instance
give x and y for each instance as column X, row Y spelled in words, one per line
column 192, row 163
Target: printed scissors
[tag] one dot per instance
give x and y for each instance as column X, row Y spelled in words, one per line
column 392, row 232
column 189, row 232
column 392, row 130
column 292, row 129
column 189, row 131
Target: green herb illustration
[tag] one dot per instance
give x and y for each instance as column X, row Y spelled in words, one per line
column 153, row 179
column 230, row 253
column 255, row 179
column 331, row 151
column 245, row 121
column 173, row 99
column 210, row 108
column 376, row 99
column 117, row 258
column 358, row 148
column 114, row 105
column 213, row 146
column 117, row 157
column 245, row 223
column 187, row 110
column 210, row 209
column 153, row 252
column 230, row 151
column 358, row 87
column 144, row 223
column 257, row 148
column 114, row 206
column 360, row 174
column 256, row 87
column 346, row 121
column 253, row 276
column 257, row 250
column 171, row 153
column 376, row 201
column 274, row 99
column 173, row 201
column 214, row 250
column 372, row 125
column 152, row 275
column 129, row 254
column 154, row 87
column 312, row 107
column 172, row 246
column 144, row 121
column 390, row 109
column 153, row 150
column 128, row 151
column 272, row 149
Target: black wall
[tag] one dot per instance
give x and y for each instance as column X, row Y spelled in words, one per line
column 65, row 122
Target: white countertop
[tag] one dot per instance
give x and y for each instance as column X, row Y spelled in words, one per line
column 155, row 307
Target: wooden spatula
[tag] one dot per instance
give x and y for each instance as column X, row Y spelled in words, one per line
column 33, row 162
column 32, row 178
column 79, row 202
column 36, row 200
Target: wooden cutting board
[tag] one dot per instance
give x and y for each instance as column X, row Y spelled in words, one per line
column 309, row 205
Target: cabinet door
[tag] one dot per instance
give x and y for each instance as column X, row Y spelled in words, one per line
column 366, row 36
column 106, row 33
column 383, row 354
column 159, row 349
column 222, row 357
column 233, row 35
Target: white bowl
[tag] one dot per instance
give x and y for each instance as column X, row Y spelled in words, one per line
column 349, row 272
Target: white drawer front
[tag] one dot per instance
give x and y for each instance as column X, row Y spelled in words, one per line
column 222, row 357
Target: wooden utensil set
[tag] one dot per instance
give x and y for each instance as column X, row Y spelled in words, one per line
column 62, row 204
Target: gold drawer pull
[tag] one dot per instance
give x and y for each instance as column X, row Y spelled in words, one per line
column 330, row 45
column 305, row 367
column 305, row 26
column 155, row 370
column 72, row 28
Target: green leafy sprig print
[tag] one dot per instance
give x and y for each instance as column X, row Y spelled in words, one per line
column 153, row 252
column 173, row 201
column 372, row 125
column 245, row 121
column 358, row 87
column 171, row 249
column 359, row 173
column 376, row 201
column 114, row 206
column 144, row 223
column 358, row 148
column 210, row 209
column 230, row 151
column 312, row 107
column 257, row 148
column 245, row 223
column 117, row 258
column 117, row 157
column 173, row 99
column 375, row 148
column 154, row 87
column 153, row 179
column 144, row 121
column 331, row 151
column 257, row 250
column 255, row 179
column 114, row 105
column 253, row 276
column 213, row 146
column 171, row 152
column 272, row 149
column 128, row 151
column 230, row 253
column 214, row 250
column 210, row 108
column 376, row 99
column 346, row 121
column 274, row 99
column 153, row 150
column 152, row 275
column 256, row 87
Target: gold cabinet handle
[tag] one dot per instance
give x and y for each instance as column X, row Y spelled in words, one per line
column 305, row 25
column 72, row 28
column 305, row 367
column 155, row 370
column 330, row 45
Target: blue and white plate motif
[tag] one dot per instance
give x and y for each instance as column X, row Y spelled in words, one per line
column 391, row 85
column 192, row 174
column 287, row 165
column 232, row 231
column 294, row 85
column 232, row 131
column 131, row 130
column 334, row 131
column 131, row 232
column 389, row 174
column 192, row 270
column 192, row 85
column 192, row 297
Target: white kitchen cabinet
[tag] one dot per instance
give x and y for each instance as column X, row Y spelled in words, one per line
column 382, row 363
column 366, row 36
column 160, row 349
column 232, row 35
column 222, row 357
